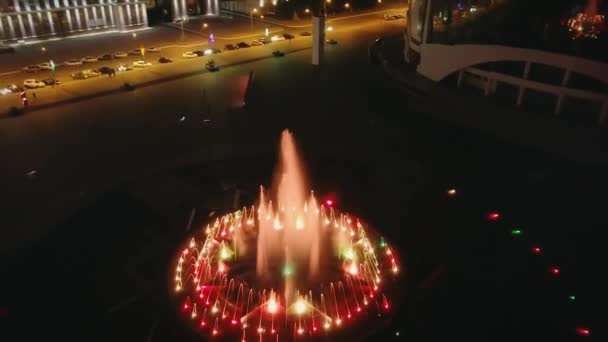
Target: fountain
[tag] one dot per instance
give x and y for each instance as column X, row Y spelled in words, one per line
column 289, row 269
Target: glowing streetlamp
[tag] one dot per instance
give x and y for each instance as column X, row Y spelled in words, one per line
column 307, row 11
column 347, row 6
column 254, row 10
column 205, row 25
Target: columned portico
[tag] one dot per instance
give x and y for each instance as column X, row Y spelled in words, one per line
column 207, row 7
column 47, row 18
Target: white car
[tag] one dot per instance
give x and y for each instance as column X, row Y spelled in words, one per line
column 152, row 49
column 120, row 54
column 141, row 64
column 189, row 54
column 33, row 83
column 90, row 59
column 73, row 62
column 45, row 66
column 277, row 38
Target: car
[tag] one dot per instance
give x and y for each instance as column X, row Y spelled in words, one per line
column 135, row 52
column 276, row 38
column 305, row 34
column 11, row 88
column 256, row 43
column 44, row 66
column 32, row 83
column 288, row 36
column 120, row 54
column 243, row 45
column 141, row 64
column 5, row 91
column 164, row 60
column 73, row 62
column 211, row 66
column 230, row 47
column 124, row 67
column 331, row 41
column 189, row 54
column 278, row 53
column 51, row 81
column 106, row 70
column 89, row 59
column 152, row 50
column 105, row 57
column 31, row 68
column 84, row 74
column 265, row 41
column 211, row 51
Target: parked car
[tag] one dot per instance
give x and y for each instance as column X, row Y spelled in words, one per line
column 211, row 51
column 84, row 74
column 152, row 50
column 106, row 70
column 305, row 34
column 278, row 53
column 105, row 57
column 331, row 41
column 11, row 88
column 32, row 83
column 277, row 38
column 211, row 66
column 199, row 53
column 265, row 41
column 230, row 47
column 189, row 54
column 256, row 43
column 44, row 66
column 135, row 52
column 73, row 62
column 288, row 36
column 51, row 81
column 31, row 68
column 164, row 60
column 124, row 67
column 120, row 54
column 243, row 45
column 141, row 64
column 89, row 59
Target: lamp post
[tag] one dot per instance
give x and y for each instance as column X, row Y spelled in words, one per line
column 253, row 10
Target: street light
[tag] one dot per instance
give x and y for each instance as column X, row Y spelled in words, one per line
column 307, row 11
column 254, row 10
column 43, row 49
column 205, row 25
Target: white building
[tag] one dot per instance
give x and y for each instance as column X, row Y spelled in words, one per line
column 27, row 19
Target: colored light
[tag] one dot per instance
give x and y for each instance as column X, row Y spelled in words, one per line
column 349, row 254
column 329, row 202
column 300, row 306
column 572, row 298
column 272, row 306
column 583, row 331
column 326, row 326
column 494, row 216
column 233, row 321
column 338, row 321
column 451, row 192
column 300, row 331
column 555, row 271
column 536, row 250
column 214, row 332
column 353, row 270
column 516, row 232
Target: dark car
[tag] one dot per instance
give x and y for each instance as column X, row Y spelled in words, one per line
column 105, row 57
column 278, row 53
column 331, row 41
column 135, row 52
column 288, row 36
column 243, row 45
column 230, row 47
column 199, row 53
column 106, row 70
column 164, row 60
column 265, row 41
column 305, row 34
column 31, row 68
column 51, row 81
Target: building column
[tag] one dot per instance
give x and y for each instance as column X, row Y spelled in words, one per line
column 129, row 17
column 2, row 36
column 68, row 15
column 184, row 11
column 428, row 20
column 94, row 10
column 144, row 15
column 113, row 21
column 120, row 22
column 86, row 15
column 20, row 19
column 175, row 9
column 102, row 9
column 137, row 12
column 30, row 20
column 11, row 28
column 49, row 16
column 77, row 14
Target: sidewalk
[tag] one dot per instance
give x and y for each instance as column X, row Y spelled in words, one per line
column 551, row 135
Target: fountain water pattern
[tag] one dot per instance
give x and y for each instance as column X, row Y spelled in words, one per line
column 297, row 245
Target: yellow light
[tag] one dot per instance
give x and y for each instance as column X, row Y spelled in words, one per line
column 338, row 322
column 277, row 223
column 353, row 269
column 260, row 330
column 300, row 331
column 299, row 223
column 205, row 25
column 329, row 29
column 255, row 10
column 178, row 288
column 327, row 222
column 307, row 10
column 328, row 1
column 224, row 253
column 134, row 35
column 379, row 1
column 452, row 192
column 349, row 254
column 347, row 5
column 395, row 269
column 327, row 325
column 272, row 305
column 214, row 309
column 300, row 306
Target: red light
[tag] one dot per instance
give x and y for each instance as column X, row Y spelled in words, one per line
column 233, row 321
column 358, row 309
column 314, row 328
column 583, row 332
column 214, row 332
column 536, row 250
column 203, row 323
column 272, row 331
column 494, row 216
column 555, row 271
column 386, row 306
column 371, row 295
column 348, row 316
column 329, row 202
column 185, row 251
column 201, row 295
column 185, row 306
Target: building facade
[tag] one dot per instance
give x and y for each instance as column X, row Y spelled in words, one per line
column 40, row 19
column 183, row 9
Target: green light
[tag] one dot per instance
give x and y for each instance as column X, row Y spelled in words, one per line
column 572, row 298
column 516, row 232
column 287, row 270
column 382, row 243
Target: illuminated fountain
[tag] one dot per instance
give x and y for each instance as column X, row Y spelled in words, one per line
column 288, row 269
